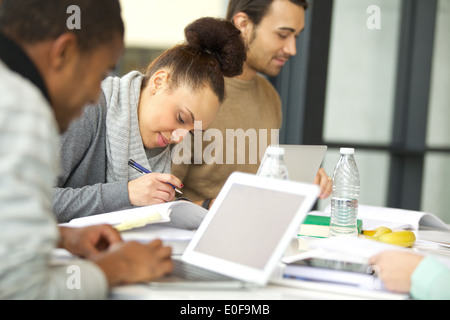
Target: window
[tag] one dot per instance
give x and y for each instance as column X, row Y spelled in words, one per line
column 361, row 73
column 436, row 193
column 382, row 91
column 360, row 96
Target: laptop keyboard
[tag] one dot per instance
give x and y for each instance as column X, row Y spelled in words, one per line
column 190, row 272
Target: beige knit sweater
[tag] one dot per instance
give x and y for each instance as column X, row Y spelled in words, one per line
column 248, row 121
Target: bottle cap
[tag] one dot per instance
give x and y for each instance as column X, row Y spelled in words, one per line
column 347, row 151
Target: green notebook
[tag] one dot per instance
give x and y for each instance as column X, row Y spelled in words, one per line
column 319, row 226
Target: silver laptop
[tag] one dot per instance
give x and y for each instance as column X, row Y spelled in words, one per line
column 303, row 161
column 245, row 233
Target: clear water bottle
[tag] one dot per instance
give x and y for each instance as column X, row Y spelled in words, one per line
column 273, row 165
column 345, row 196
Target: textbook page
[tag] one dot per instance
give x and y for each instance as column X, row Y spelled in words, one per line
column 178, row 239
column 354, row 247
column 396, row 219
column 176, row 214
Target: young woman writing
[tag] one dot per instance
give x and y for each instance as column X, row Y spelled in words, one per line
column 138, row 117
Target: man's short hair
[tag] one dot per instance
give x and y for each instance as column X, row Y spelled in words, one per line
column 32, row 21
column 255, row 9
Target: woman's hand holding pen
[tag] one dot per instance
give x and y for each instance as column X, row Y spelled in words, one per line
column 152, row 188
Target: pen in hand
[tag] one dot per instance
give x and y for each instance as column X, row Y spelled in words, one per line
column 141, row 169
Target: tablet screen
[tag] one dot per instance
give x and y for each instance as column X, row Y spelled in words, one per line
column 249, row 224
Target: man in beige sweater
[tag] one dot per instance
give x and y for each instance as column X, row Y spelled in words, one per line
column 250, row 117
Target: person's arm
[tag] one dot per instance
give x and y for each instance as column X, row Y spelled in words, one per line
column 121, row 262
column 408, row 272
column 324, row 182
column 431, row 280
column 28, row 231
column 133, row 262
column 395, row 269
column 89, row 241
column 70, row 203
column 80, row 189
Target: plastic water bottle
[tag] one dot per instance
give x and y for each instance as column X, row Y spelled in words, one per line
column 345, row 196
column 273, row 165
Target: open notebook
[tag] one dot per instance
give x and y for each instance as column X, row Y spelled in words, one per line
column 245, row 233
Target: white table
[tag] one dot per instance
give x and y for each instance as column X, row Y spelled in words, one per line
column 277, row 289
column 305, row 290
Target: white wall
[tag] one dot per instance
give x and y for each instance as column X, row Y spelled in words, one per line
column 160, row 24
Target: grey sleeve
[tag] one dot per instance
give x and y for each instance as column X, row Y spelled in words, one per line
column 68, row 280
column 72, row 203
column 81, row 189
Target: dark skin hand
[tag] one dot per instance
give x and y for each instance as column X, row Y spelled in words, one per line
column 133, row 262
column 89, row 241
column 122, row 262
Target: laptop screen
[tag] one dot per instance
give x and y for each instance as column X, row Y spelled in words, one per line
column 249, row 224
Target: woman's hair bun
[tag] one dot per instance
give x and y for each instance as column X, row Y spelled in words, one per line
column 221, row 39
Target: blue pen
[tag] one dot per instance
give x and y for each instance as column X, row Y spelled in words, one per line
column 141, row 169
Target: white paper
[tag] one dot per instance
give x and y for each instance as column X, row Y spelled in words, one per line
column 117, row 217
column 177, row 214
column 396, row 219
column 157, row 231
column 354, row 246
